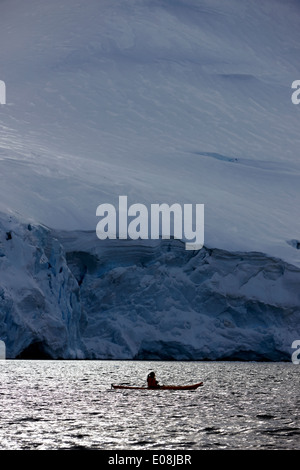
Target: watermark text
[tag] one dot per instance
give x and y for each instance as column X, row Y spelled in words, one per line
column 163, row 221
column 2, row 92
column 2, row 350
column 296, row 353
column 296, row 94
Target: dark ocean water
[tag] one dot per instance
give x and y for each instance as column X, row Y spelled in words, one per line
column 70, row 405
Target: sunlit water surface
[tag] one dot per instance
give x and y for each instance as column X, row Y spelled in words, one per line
column 70, row 405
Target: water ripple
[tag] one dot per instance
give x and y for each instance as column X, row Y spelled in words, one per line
column 70, row 405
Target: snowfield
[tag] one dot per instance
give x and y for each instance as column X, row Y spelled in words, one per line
column 163, row 101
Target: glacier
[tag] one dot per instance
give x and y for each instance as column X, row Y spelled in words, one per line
column 67, row 295
column 164, row 101
column 40, row 303
column 155, row 300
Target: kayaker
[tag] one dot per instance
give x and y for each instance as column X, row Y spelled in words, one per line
column 151, row 381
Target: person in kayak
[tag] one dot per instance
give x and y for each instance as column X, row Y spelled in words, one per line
column 151, row 381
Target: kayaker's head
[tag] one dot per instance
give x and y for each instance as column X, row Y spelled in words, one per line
column 152, row 375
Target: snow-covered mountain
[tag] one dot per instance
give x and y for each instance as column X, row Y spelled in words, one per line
column 164, row 101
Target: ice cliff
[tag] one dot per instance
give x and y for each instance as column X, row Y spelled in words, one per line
column 40, row 308
column 163, row 101
column 68, row 295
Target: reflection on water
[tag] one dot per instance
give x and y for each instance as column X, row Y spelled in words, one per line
column 70, row 405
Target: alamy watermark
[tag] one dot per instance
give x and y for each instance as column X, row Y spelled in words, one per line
column 2, row 350
column 296, row 354
column 163, row 221
column 296, row 94
column 2, row 92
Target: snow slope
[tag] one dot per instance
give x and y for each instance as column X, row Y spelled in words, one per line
column 183, row 101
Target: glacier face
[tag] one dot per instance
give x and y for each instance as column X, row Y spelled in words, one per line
column 155, row 300
column 69, row 295
column 40, row 309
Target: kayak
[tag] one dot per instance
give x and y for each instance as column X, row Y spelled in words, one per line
column 162, row 387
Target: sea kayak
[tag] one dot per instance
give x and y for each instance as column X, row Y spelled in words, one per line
column 162, row 387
